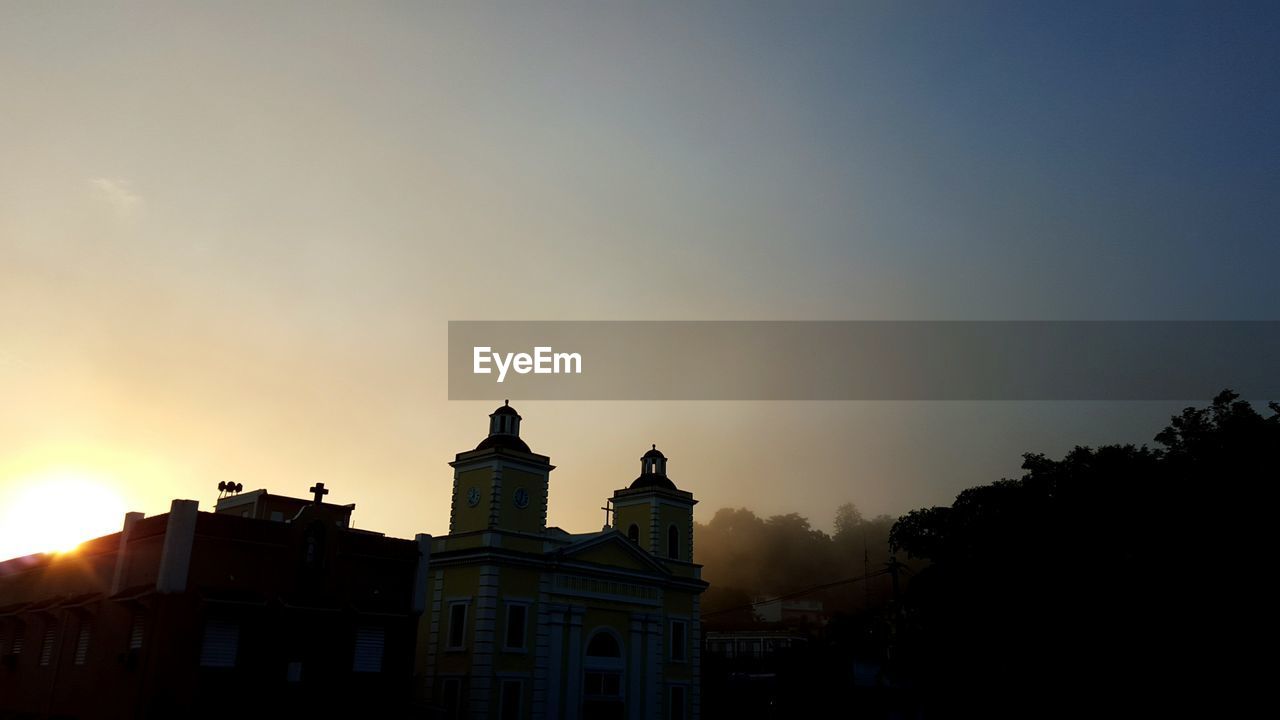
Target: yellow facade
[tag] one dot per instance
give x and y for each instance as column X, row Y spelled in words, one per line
column 526, row 621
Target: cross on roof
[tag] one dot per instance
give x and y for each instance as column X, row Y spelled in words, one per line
column 319, row 490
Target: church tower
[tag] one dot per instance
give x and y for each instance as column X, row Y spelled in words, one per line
column 654, row 513
column 501, row 485
column 536, row 623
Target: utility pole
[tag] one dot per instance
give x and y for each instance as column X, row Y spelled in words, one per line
column 895, row 568
column 866, row 573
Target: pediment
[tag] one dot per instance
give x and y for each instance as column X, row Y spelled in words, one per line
column 613, row 549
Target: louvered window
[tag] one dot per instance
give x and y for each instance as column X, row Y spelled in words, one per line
column 135, row 632
column 46, row 647
column 369, row 646
column 82, row 643
column 221, row 644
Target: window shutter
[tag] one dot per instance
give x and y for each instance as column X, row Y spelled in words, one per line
column 46, row 647
column 369, row 646
column 221, row 644
column 135, row 632
column 82, row 643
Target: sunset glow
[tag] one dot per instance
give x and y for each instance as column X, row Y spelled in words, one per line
column 56, row 510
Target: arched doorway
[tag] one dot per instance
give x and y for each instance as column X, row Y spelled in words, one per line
column 602, row 697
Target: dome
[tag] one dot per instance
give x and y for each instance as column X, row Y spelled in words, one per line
column 504, row 430
column 653, row 471
column 506, row 442
column 653, row 480
column 505, row 409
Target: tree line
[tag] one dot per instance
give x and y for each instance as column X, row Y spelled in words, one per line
column 747, row 557
column 1120, row 579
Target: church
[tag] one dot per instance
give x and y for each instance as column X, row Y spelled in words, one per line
column 529, row 621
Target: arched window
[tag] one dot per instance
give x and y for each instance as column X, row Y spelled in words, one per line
column 673, row 542
column 602, row 672
column 603, row 644
column 633, row 533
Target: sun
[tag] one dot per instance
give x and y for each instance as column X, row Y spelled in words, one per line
column 56, row 510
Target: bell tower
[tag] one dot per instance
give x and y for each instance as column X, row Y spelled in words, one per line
column 501, row 485
column 654, row 513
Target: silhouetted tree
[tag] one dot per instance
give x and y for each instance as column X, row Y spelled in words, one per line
column 1094, row 582
column 848, row 519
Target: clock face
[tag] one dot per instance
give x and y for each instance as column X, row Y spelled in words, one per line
column 473, row 496
column 522, row 498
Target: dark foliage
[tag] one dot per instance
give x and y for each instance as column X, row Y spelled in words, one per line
column 747, row 557
column 1111, row 580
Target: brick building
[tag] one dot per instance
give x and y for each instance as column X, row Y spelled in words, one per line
column 270, row 605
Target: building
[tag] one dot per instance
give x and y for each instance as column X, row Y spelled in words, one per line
column 529, row 621
column 270, row 605
column 790, row 612
column 755, row 644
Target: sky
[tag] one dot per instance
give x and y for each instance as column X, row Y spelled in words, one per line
column 232, row 234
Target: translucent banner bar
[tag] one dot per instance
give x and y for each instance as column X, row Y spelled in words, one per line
column 734, row 360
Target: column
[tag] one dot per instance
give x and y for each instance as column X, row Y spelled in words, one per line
column 573, row 683
column 483, row 647
column 635, row 668
column 557, row 617
column 653, row 696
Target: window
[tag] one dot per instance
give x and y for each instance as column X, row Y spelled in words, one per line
column 511, row 697
column 277, row 516
column 220, row 645
column 451, row 698
column 135, row 632
column 457, row 625
column 633, row 533
column 19, row 640
column 293, row 673
column 46, row 647
column 602, row 677
column 516, row 615
column 603, row 645
column 369, row 647
column 313, row 553
column 749, row 648
column 677, row 640
column 676, row 712
column 673, row 542
column 601, row 685
column 82, row 642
